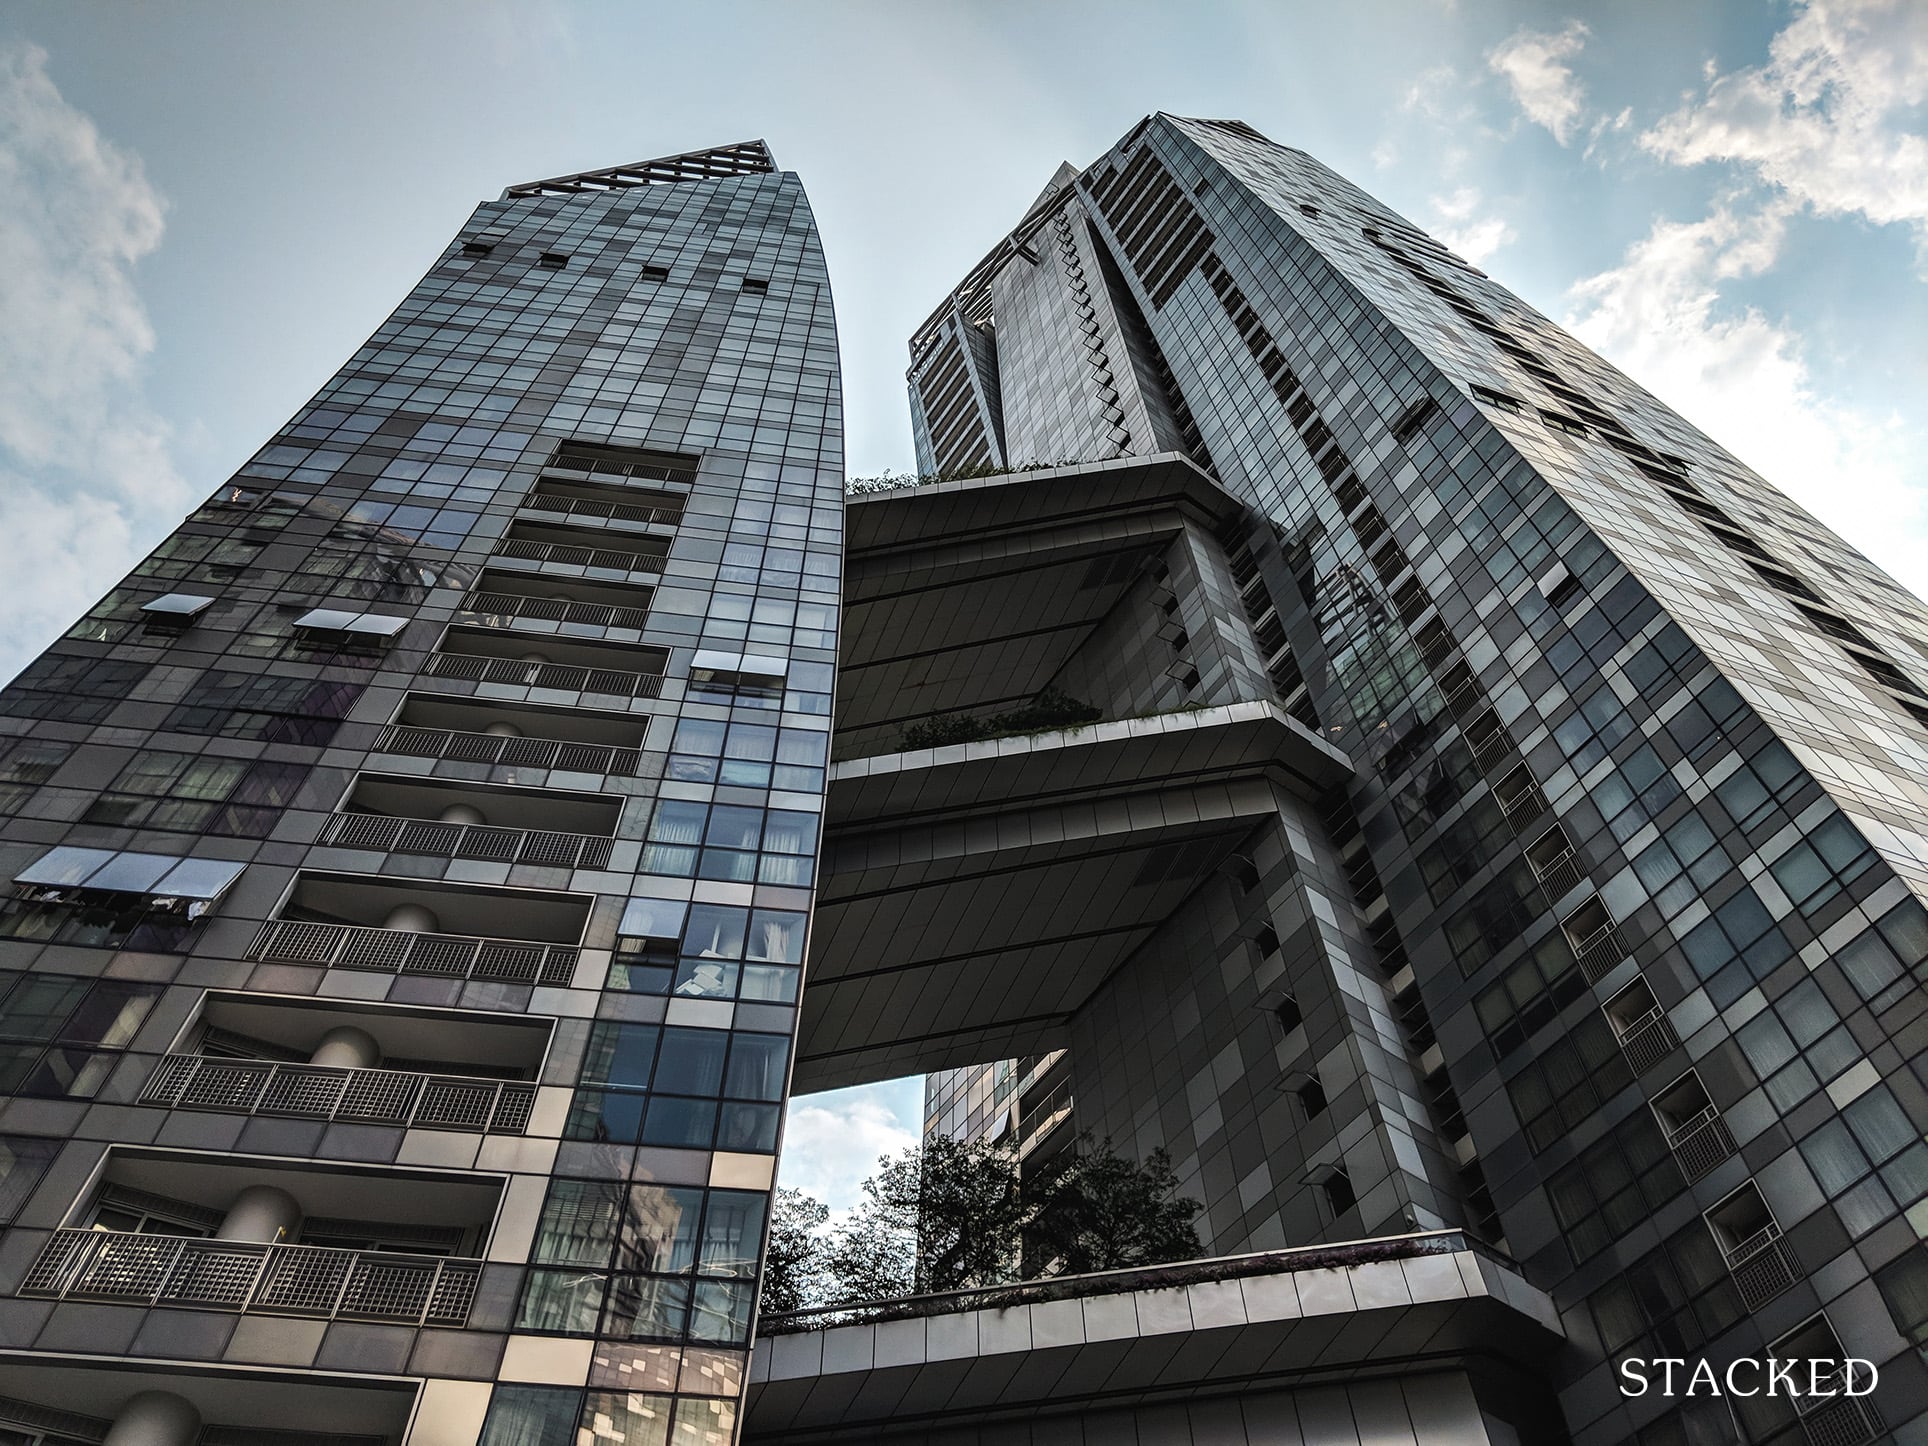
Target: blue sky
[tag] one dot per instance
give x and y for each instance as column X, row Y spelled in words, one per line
column 209, row 206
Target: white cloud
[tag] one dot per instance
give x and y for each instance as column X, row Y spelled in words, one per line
column 1534, row 65
column 1462, row 229
column 1742, row 377
column 832, row 1140
column 85, row 477
column 1828, row 119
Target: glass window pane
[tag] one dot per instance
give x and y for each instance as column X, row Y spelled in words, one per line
column 531, row 1416
column 659, row 1230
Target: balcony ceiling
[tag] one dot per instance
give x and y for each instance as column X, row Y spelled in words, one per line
column 971, row 594
column 974, row 897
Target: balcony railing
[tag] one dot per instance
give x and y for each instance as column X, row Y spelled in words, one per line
column 592, row 507
column 1762, row 1266
column 466, row 841
column 1829, row 1417
column 505, row 609
column 567, row 554
column 514, row 752
column 450, row 956
column 239, row 1275
column 1701, row 1143
column 318, row 1092
column 563, row 677
column 1559, row 875
column 1600, row 953
column 1491, row 750
column 1648, row 1040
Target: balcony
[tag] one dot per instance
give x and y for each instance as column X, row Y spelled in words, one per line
column 371, row 1064
column 1553, row 861
column 1757, row 1254
column 69, row 1401
column 560, row 550
column 1695, row 1131
column 238, row 1275
column 571, row 669
column 523, row 604
column 597, row 502
column 354, row 921
column 476, row 821
column 1596, row 942
column 1520, row 798
column 1645, row 1033
column 1829, row 1415
column 448, row 730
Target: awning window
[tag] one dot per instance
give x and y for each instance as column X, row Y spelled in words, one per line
column 164, row 880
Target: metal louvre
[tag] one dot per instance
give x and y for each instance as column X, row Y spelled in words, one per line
column 302, row 1280
column 467, row 841
column 373, row 1096
column 355, row 946
column 563, row 677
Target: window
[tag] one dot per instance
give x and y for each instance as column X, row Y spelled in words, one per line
column 61, row 1036
column 23, row 1160
column 1904, row 1286
column 1870, row 1160
column 271, row 709
column 1288, row 1014
column 748, row 755
column 25, row 764
column 710, row 951
column 1590, row 733
column 1679, row 1296
column 1530, row 994
column 1765, row 784
column 1569, row 1079
column 656, row 273
column 188, row 791
column 755, row 285
column 662, row 1086
column 1820, row 866
column 477, row 248
column 1884, row 962
column 1312, row 1098
column 1623, row 1179
column 548, row 1416
column 1337, row 1189
column 731, row 841
column 643, row 1262
column 1797, row 1044
column 77, row 690
column 1735, row 949
column 1500, row 400
column 553, row 260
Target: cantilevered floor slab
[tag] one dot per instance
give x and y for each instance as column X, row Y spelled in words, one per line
column 973, row 897
column 1430, row 1309
column 967, row 595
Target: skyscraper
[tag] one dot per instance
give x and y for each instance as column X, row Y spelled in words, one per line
column 411, row 862
column 1322, row 722
column 1633, row 823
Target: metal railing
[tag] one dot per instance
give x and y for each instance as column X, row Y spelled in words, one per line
column 563, row 677
column 240, row 1275
column 1491, row 750
column 503, row 609
column 511, row 751
column 1558, row 875
column 1600, row 953
column 656, row 471
column 467, row 841
column 374, row 1096
column 592, row 507
column 1340, row 1256
column 569, row 554
column 1522, row 806
column 1700, row 1143
column 1648, row 1040
column 1762, row 1266
column 450, row 956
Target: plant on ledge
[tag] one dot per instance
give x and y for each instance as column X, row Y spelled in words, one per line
column 1048, row 710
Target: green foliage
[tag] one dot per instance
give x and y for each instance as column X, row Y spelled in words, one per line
column 1050, row 709
column 892, row 481
column 794, row 1269
column 1092, row 1209
column 947, row 1216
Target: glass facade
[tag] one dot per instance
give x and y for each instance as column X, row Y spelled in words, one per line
column 499, row 681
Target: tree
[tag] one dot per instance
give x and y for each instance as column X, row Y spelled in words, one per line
column 794, row 1269
column 944, row 1215
column 1090, row 1209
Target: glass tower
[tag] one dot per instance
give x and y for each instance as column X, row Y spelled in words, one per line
column 1633, row 830
column 411, row 862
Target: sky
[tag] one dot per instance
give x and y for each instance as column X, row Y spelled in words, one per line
column 208, row 206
